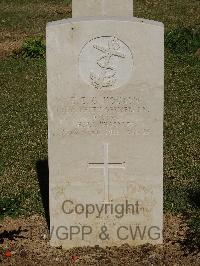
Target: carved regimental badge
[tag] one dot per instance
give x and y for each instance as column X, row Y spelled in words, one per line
column 106, row 63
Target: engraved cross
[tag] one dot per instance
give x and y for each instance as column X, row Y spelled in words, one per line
column 106, row 166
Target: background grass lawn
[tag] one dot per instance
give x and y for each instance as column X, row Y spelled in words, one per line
column 24, row 111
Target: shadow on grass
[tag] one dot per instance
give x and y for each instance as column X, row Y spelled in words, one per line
column 191, row 243
column 194, row 197
column 43, row 179
column 11, row 235
column 192, row 239
column 186, row 201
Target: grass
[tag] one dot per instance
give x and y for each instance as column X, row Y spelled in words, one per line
column 173, row 13
column 33, row 48
column 182, row 40
column 24, row 111
column 181, row 134
column 22, row 18
column 24, row 129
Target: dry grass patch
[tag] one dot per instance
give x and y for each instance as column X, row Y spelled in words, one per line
column 51, row 8
column 8, row 47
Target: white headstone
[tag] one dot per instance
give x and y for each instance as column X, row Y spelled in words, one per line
column 92, row 8
column 105, row 113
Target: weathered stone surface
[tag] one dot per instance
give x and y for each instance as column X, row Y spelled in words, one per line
column 105, row 108
column 87, row 8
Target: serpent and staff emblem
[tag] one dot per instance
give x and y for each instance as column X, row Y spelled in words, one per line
column 107, row 76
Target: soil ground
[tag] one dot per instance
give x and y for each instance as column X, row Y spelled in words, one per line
column 25, row 241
